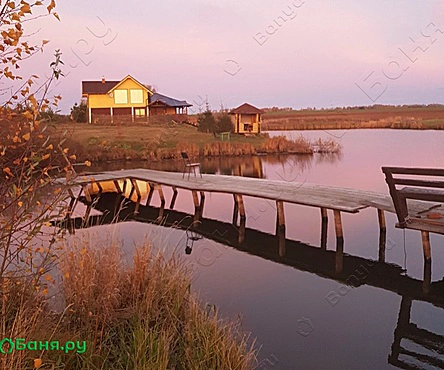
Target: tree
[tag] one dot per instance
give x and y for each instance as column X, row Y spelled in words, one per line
column 224, row 124
column 79, row 112
column 206, row 122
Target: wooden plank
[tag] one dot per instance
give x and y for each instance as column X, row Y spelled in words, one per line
column 414, row 171
column 423, row 225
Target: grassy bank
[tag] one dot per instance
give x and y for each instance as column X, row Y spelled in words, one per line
column 380, row 117
column 138, row 317
column 105, row 143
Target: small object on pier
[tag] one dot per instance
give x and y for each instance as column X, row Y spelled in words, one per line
column 188, row 166
column 434, row 215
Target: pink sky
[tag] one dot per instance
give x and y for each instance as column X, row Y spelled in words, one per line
column 312, row 53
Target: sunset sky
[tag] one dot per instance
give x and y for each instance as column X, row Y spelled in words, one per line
column 316, row 53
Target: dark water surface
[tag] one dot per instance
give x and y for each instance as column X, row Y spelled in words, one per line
column 302, row 314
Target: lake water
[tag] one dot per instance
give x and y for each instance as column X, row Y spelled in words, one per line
column 301, row 313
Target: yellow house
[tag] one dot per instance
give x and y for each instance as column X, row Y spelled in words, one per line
column 126, row 100
column 247, row 119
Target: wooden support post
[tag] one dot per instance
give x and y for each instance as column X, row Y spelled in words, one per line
column 150, row 194
column 125, row 183
column 75, row 202
column 139, row 195
column 117, row 186
column 381, row 219
column 241, row 238
column 235, row 210
column 339, row 265
column 382, row 235
column 99, row 186
column 161, row 196
column 202, row 203
column 160, row 217
column 427, row 281
column 401, row 326
column 196, row 206
column 86, row 216
column 324, row 228
column 173, row 200
column 87, row 194
column 426, row 245
column 133, row 189
column 280, row 232
column 240, row 202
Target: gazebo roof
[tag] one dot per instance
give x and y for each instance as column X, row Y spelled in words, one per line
column 246, row 109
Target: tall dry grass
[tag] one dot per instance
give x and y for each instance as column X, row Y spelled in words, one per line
column 138, row 315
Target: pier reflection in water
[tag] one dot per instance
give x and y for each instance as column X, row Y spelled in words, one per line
column 412, row 347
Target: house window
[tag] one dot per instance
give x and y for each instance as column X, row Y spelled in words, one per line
column 120, row 96
column 248, row 127
column 140, row 112
column 136, row 96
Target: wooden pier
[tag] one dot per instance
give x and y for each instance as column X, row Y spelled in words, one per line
column 335, row 199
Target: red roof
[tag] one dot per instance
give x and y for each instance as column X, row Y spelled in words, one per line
column 246, row 109
column 97, row 87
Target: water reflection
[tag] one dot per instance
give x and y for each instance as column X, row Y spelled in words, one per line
column 248, row 166
column 412, row 348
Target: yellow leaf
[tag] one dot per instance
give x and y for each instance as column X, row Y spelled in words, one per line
column 57, row 191
column 45, row 157
column 48, row 277
column 20, row 204
column 88, row 163
column 37, row 363
column 44, row 42
column 66, row 275
column 45, row 291
column 51, row 6
column 73, row 157
column 66, row 150
column 50, row 147
column 7, row 170
column 25, row 8
column 27, row 136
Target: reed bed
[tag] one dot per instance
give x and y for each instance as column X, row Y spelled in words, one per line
column 336, row 123
column 137, row 316
column 263, row 144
